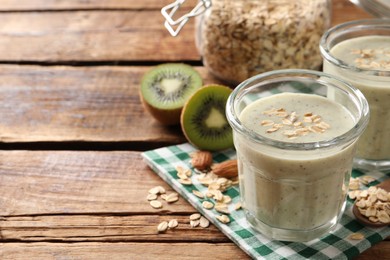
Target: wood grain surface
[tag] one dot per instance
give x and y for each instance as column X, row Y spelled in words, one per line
column 105, row 36
column 30, row 5
column 91, row 104
column 81, row 36
column 72, row 181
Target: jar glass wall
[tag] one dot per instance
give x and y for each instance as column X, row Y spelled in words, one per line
column 359, row 52
column 242, row 38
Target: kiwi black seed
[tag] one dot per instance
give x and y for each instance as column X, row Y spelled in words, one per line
column 165, row 89
column 203, row 119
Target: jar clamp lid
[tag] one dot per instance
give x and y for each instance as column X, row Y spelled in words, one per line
column 169, row 11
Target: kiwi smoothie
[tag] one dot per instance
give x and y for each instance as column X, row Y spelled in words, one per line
column 294, row 190
column 371, row 54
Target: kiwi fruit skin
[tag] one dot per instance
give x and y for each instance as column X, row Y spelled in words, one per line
column 168, row 113
column 201, row 103
column 165, row 117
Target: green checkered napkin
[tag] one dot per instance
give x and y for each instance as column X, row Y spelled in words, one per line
column 335, row 245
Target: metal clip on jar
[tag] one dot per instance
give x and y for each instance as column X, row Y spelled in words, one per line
column 242, row 38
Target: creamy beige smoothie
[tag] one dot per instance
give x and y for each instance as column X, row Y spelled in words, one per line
column 294, row 189
column 368, row 53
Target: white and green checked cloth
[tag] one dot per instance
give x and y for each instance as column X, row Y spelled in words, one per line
column 335, row 245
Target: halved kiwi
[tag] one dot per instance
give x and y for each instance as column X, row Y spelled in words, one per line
column 203, row 119
column 165, row 89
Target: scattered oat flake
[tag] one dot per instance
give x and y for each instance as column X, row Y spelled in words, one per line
column 198, row 194
column 372, row 190
column 157, row 190
column 195, row 216
column 226, row 199
column 273, row 129
column 267, row 122
column 363, row 194
column 323, row 125
column 185, row 181
column 222, row 208
column 366, row 179
column 354, row 185
column 182, row 175
column 194, row 223
column 316, row 118
column 207, row 204
column 218, row 196
column 238, row 206
column 173, row 197
column 209, row 194
column 156, row 204
column 361, row 203
column 151, row 196
column 173, row 223
column 162, row 227
column 353, row 194
column 223, row 219
column 214, row 186
column 356, row 236
column 290, row 133
column 316, row 129
column 296, row 124
column 204, row 222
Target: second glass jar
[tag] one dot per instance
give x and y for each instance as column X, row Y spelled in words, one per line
column 238, row 39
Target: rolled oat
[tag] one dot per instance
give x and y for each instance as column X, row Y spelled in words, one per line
column 242, row 38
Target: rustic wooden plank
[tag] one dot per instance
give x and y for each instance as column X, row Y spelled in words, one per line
column 114, row 228
column 66, row 182
column 105, row 228
column 340, row 7
column 94, row 104
column 120, row 251
column 91, row 250
column 25, row 5
column 92, row 36
column 344, row 10
column 88, row 196
column 120, row 35
column 379, row 251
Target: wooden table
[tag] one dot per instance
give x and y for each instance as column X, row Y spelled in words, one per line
column 72, row 181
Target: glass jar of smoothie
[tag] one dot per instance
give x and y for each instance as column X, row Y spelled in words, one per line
column 359, row 53
column 238, row 39
column 295, row 133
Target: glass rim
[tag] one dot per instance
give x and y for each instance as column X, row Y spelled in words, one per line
column 341, row 29
column 346, row 137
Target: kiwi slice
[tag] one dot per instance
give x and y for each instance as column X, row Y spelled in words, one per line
column 203, row 119
column 166, row 88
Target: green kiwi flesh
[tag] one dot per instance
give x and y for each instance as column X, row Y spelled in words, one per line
column 203, row 119
column 165, row 89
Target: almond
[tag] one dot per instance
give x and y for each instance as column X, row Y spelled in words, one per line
column 201, row 160
column 227, row 169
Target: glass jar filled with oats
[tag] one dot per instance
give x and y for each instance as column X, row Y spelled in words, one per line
column 241, row 38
